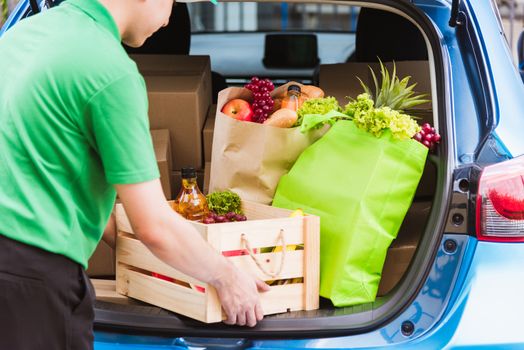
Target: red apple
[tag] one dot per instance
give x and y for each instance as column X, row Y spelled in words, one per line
column 238, row 109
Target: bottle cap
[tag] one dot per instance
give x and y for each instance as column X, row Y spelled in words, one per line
column 294, row 88
column 188, row 173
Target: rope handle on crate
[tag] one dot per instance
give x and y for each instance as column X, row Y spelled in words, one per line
column 258, row 263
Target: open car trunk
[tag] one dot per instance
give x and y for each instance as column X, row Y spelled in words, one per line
column 409, row 257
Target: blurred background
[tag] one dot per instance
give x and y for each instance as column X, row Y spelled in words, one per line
column 512, row 14
column 6, row 6
column 324, row 17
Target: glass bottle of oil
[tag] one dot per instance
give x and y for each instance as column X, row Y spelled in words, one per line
column 191, row 202
column 292, row 99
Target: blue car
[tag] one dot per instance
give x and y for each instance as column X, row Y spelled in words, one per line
column 454, row 277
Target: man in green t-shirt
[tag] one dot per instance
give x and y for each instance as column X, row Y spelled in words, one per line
column 74, row 132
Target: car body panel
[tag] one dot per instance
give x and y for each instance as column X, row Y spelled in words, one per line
column 478, row 316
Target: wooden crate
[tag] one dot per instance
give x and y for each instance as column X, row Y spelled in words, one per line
column 265, row 228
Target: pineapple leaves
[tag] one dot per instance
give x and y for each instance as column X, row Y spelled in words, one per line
column 365, row 87
column 375, row 81
column 393, row 92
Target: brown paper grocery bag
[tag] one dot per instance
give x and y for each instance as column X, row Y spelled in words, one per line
column 249, row 158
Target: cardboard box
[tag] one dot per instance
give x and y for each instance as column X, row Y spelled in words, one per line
column 397, row 262
column 267, row 227
column 403, row 247
column 102, row 262
column 207, row 177
column 207, row 133
column 161, row 65
column 340, row 80
column 172, row 64
column 180, row 104
column 162, row 146
column 428, row 181
column 179, row 91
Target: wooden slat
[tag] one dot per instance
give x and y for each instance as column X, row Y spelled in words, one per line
column 213, row 308
column 170, row 296
column 132, row 252
column 105, row 290
column 255, row 227
column 257, row 211
column 293, row 264
column 311, row 262
column 281, row 298
column 103, row 286
column 260, row 233
column 123, row 224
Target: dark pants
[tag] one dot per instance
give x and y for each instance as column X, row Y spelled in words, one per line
column 46, row 300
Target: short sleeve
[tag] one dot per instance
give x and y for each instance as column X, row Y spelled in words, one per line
column 118, row 128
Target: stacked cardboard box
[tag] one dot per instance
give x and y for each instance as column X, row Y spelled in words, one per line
column 179, row 92
column 207, row 143
column 207, row 133
column 102, row 262
column 162, row 146
column 207, row 177
column 401, row 251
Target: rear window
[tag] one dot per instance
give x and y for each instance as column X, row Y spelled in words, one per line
column 253, row 17
column 236, row 36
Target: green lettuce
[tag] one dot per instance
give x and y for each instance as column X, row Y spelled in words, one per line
column 366, row 117
column 317, row 106
column 224, row 202
column 376, row 120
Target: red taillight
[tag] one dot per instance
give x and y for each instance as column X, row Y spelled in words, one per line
column 500, row 202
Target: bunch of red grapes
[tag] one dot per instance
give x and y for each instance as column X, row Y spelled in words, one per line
column 427, row 136
column 214, row 218
column 262, row 101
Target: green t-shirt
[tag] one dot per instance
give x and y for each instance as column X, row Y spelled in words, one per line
column 73, row 122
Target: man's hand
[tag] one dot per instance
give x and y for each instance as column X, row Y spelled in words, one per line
column 238, row 295
column 177, row 243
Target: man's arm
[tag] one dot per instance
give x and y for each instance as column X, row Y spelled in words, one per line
column 176, row 242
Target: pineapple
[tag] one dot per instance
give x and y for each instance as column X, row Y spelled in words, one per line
column 393, row 92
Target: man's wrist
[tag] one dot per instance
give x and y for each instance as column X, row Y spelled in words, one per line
column 222, row 274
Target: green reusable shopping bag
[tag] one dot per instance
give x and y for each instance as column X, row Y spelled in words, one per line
column 361, row 186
